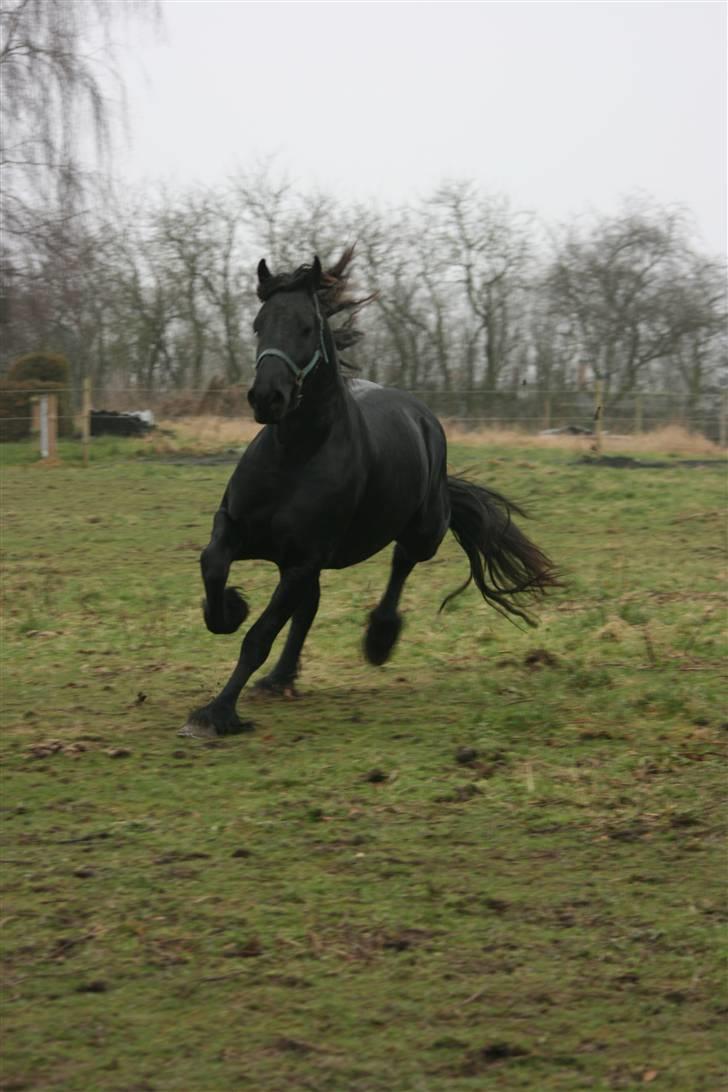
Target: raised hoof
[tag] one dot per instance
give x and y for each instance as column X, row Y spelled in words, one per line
column 235, row 611
column 276, row 688
column 381, row 637
column 212, row 722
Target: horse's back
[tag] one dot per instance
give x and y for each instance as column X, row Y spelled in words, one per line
column 399, row 425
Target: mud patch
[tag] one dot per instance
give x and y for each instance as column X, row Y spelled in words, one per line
column 540, row 657
column 220, row 458
column 479, row 1061
column 626, row 462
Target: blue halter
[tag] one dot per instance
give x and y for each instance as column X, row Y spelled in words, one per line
column 320, row 354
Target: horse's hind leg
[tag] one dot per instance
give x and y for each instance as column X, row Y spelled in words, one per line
column 385, row 621
column 281, row 679
column 224, row 608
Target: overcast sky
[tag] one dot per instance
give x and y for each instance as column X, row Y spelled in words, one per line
column 564, row 107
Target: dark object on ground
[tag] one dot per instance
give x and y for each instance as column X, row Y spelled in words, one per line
column 376, row 777
column 626, row 462
column 342, row 469
column 540, row 657
column 567, row 430
column 112, row 423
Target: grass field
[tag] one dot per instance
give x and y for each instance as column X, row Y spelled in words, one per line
column 495, row 863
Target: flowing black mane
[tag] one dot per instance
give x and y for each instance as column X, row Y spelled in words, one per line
column 333, row 296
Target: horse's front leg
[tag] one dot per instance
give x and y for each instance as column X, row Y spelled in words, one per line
column 220, row 718
column 224, row 609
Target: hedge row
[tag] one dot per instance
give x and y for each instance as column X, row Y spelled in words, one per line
column 27, row 377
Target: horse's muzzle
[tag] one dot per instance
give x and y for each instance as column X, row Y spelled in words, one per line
column 267, row 409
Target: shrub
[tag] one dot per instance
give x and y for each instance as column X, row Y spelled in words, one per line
column 27, row 376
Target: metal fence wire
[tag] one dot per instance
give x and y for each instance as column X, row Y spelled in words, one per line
column 527, row 409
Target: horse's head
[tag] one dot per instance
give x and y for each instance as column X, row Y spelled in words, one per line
column 291, row 339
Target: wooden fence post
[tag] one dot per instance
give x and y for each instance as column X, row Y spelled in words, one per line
column 598, row 417
column 638, row 414
column 86, row 419
column 723, row 424
column 49, row 427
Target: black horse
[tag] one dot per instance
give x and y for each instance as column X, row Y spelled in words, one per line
column 341, row 469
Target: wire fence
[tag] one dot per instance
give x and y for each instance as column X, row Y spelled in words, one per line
column 527, row 409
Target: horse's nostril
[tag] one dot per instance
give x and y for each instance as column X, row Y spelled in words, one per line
column 251, row 397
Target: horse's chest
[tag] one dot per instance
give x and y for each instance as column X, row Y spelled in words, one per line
column 283, row 521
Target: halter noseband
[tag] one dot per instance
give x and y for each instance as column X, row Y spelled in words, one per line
column 320, row 354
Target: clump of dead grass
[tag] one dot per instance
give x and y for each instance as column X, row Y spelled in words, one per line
column 203, row 433
column 669, row 440
column 208, row 433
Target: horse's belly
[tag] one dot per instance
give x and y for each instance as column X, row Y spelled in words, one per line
column 404, row 516
column 358, row 548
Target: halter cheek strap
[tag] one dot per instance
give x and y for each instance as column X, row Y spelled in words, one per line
column 320, row 354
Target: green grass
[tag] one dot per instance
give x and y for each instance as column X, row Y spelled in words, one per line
column 335, row 902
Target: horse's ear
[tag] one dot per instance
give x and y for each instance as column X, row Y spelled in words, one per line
column 264, row 273
column 314, row 277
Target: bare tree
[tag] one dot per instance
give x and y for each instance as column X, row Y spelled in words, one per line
column 395, row 323
column 56, row 59
column 263, row 203
column 701, row 355
column 628, row 289
column 488, row 248
column 228, row 286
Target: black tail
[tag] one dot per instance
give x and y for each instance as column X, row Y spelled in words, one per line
column 497, row 550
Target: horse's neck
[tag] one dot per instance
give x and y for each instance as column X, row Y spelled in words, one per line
column 323, row 403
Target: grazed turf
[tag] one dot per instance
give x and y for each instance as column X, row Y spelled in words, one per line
column 494, row 863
